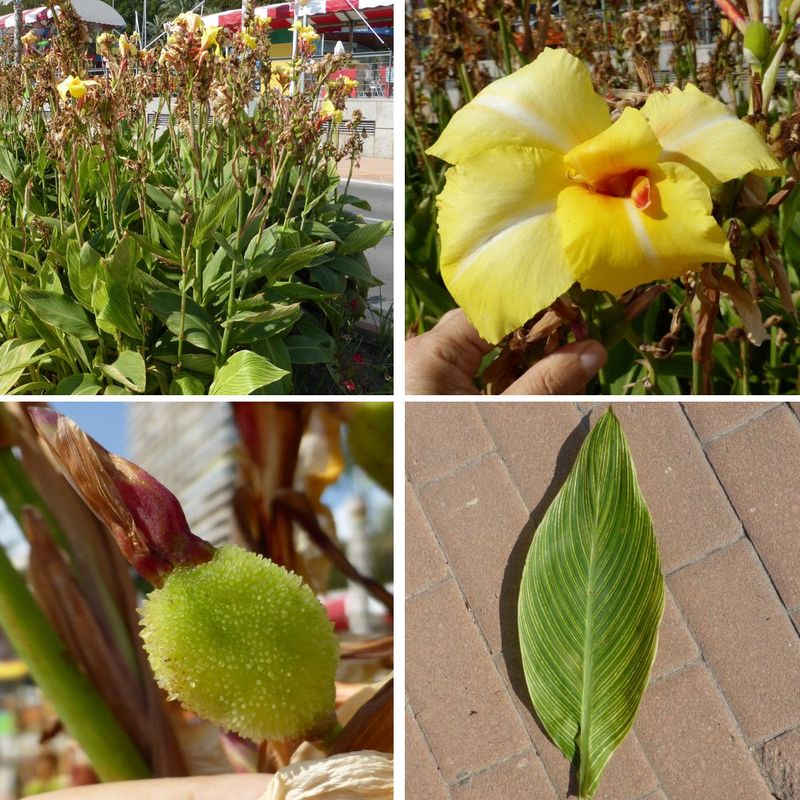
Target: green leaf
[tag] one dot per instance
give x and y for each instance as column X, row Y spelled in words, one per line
column 9, row 166
column 590, row 603
column 243, row 373
column 187, row 385
column 353, row 268
column 274, row 314
column 59, row 312
column 282, row 265
column 123, row 264
column 129, row 370
column 352, row 200
column 198, row 329
column 366, row 236
column 158, row 252
column 213, row 212
column 15, row 356
column 82, row 383
column 112, row 305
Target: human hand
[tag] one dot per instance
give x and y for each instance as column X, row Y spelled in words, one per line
column 214, row 787
column 446, row 359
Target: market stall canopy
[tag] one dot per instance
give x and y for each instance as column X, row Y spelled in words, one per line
column 95, row 12
column 323, row 14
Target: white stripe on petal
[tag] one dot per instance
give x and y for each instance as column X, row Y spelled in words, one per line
column 634, row 215
column 509, row 228
column 527, row 119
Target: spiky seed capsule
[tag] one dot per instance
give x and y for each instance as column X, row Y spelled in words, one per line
column 244, row 643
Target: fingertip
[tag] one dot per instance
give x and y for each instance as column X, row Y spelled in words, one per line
column 566, row 371
column 592, row 357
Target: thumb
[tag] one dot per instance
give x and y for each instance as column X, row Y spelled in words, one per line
column 567, row 371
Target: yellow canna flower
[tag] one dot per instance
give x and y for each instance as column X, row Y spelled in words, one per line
column 281, row 77
column 546, row 191
column 73, row 86
column 304, row 32
column 329, row 110
column 30, row 39
column 126, row 47
column 194, row 22
column 424, row 13
column 209, row 37
column 249, row 40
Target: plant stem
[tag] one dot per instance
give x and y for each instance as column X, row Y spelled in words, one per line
column 697, row 377
column 773, row 359
column 83, row 712
column 501, row 20
column 17, row 491
column 743, row 352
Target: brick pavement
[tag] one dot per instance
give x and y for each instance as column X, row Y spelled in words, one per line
column 720, row 719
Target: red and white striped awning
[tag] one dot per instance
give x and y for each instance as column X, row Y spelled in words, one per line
column 95, row 12
column 323, row 14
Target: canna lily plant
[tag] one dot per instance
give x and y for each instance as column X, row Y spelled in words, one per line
column 547, row 191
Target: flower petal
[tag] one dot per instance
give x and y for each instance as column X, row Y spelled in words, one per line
column 613, row 246
column 548, row 104
column 701, row 132
column 502, row 257
column 628, row 144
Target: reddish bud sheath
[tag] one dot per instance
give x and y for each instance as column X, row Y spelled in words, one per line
column 144, row 517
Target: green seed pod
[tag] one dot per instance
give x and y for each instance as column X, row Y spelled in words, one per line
column 244, row 643
column 758, row 40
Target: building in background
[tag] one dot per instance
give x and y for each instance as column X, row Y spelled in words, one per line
column 189, row 447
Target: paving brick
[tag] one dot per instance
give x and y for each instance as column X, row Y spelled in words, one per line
column 519, row 778
column 658, row 795
column 627, row 776
column 781, row 760
column 453, row 687
column 758, row 466
column 425, row 562
column 712, row 419
column 691, row 515
column 538, row 442
column 441, row 437
column 479, row 519
column 423, row 778
column 676, row 647
column 692, row 742
column 745, row 636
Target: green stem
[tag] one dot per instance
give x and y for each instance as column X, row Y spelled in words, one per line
column 466, row 86
column 17, row 492
column 231, row 303
column 744, row 353
column 501, row 20
column 84, row 714
column 774, row 360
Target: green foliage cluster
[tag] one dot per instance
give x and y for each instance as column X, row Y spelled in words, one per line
column 178, row 227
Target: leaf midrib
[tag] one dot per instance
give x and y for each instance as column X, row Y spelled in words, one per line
column 588, row 664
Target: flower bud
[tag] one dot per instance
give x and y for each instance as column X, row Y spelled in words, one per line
column 144, row 517
column 757, row 40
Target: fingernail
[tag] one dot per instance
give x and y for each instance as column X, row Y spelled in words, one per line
column 593, row 358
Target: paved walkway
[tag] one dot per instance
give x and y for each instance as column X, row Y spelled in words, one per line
column 720, row 719
column 380, row 170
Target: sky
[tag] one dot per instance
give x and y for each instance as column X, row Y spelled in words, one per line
column 105, row 422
